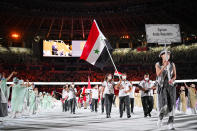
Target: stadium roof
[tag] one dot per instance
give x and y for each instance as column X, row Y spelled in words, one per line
column 71, row 19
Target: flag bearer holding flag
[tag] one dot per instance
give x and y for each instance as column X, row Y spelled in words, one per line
column 97, row 51
column 124, row 87
column 108, row 90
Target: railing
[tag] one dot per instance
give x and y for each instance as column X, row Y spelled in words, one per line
column 97, row 83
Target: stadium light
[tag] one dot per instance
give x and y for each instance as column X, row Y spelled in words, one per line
column 15, row 35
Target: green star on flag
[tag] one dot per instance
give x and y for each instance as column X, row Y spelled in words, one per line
column 96, row 51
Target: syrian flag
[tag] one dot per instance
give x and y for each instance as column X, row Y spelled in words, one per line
column 116, row 73
column 95, row 50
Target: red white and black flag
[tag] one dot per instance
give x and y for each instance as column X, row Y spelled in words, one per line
column 95, row 50
column 116, row 73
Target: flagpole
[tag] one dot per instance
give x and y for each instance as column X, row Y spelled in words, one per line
column 111, row 59
column 168, row 70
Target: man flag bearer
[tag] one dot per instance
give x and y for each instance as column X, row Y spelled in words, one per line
column 125, row 88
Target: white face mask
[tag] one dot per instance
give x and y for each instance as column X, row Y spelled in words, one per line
column 124, row 77
column 146, row 79
column 109, row 77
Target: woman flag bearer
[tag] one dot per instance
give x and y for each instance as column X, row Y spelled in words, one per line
column 125, row 88
column 108, row 90
column 166, row 75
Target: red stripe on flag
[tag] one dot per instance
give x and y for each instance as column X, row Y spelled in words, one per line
column 117, row 73
column 92, row 37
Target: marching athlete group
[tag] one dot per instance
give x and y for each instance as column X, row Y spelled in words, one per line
column 26, row 96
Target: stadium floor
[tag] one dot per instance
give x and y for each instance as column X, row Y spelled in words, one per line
column 85, row 120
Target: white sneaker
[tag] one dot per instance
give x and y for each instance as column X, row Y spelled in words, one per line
column 171, row 126
column 1, row 119
column 159, row 123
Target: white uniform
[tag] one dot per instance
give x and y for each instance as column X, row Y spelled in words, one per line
column 109, row 87
column 100, row 89
column 147, row 85
column 71, row 93
column 94, row 93
column 126, row 85
column 64, row 94
column 132, row 93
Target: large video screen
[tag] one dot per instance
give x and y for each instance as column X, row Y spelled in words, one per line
column 78, row 46
column 58, row 48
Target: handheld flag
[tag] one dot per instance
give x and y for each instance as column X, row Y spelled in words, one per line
column 116, row 73
column 95, row 50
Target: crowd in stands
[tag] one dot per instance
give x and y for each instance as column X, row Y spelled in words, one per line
column 75, row 76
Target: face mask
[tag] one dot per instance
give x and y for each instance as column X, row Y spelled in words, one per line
column 124, row 77
column 109, row 77
column 146, row 79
